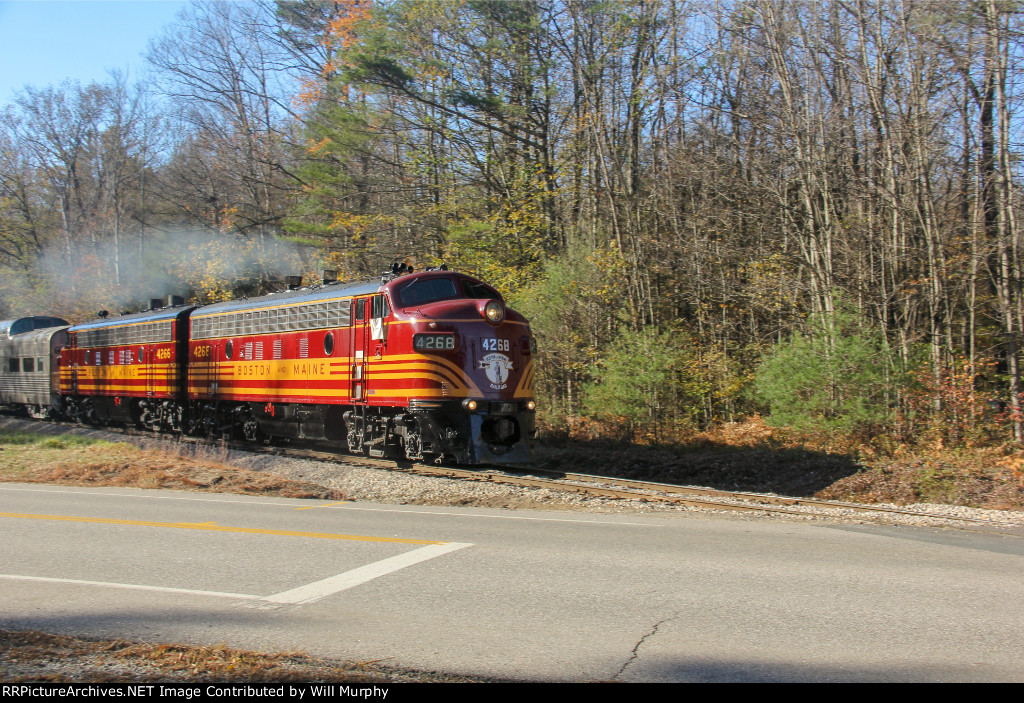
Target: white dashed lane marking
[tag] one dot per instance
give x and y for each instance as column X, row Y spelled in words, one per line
column 308, row 593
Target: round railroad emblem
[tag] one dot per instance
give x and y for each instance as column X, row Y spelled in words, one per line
column 496, row 366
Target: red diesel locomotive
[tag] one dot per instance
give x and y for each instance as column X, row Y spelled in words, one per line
column 127, row 369
column 424, row 366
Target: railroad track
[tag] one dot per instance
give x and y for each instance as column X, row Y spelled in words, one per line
column 589, row 484
column 619, row 488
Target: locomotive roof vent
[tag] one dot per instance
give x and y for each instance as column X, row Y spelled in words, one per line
column 156, row 303
column 174, row 301
column 293, row 282
column 329, row 276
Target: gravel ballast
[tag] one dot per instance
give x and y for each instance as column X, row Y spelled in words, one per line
column 361, row 483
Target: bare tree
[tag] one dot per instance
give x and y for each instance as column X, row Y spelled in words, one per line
column 222, row 73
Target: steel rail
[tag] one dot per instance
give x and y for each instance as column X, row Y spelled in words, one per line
column 650, row 490
column 630, row 489
column 761, row 497
column 498, row 475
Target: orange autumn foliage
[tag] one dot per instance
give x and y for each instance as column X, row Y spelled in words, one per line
column 340, row 34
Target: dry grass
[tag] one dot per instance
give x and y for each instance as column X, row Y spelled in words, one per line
column 40, row 657
column 978, row 478
column 77, row 461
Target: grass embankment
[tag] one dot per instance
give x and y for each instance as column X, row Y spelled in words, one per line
column 746, row 456
column 751, row 456
column 82, row 461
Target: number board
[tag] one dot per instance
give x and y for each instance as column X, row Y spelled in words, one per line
column 494, row 344
column 434, row 342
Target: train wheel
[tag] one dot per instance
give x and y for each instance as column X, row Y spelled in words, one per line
column 251, row 429
column 208, row 422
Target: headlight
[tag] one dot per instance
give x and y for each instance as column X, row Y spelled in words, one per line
column 469, row 404
column 494, row 312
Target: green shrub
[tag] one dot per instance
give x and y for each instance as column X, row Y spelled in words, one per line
column 834, row 377
column 653, row 382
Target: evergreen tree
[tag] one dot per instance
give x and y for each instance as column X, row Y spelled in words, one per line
column 834, row 376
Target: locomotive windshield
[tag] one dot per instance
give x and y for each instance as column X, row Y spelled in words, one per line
column 479, row 291
column 428, row 290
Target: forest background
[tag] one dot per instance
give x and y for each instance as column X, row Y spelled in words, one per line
column 709, row 210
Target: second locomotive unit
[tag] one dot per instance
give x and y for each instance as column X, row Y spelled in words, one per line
column 425, row 366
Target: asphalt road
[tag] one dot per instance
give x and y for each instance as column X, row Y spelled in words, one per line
column 537, row 596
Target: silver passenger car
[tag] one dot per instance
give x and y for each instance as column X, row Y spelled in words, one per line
column 29, row 369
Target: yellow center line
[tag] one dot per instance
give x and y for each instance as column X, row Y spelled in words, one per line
column 214, row 527
column 325, row 505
